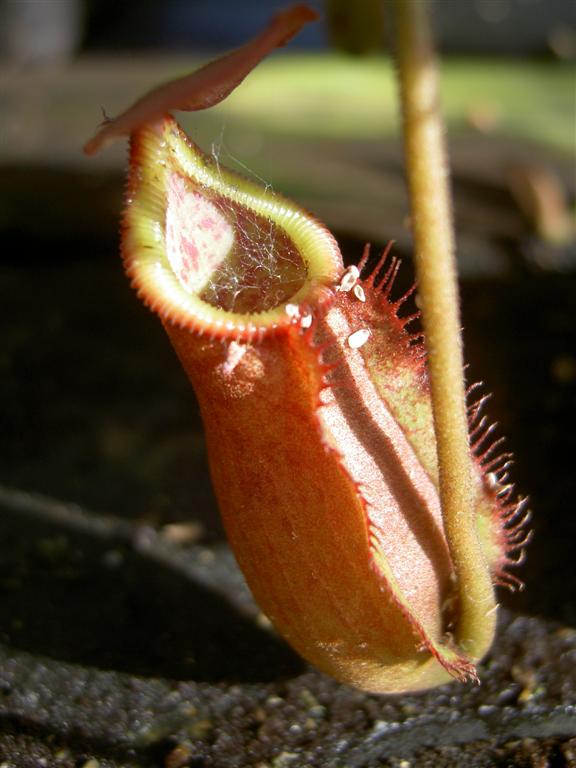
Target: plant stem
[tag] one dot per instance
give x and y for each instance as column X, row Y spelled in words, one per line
column 432, row 225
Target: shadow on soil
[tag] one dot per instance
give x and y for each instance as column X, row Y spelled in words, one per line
column 71, row 596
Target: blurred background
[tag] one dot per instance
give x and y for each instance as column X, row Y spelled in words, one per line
column 56, row 29
column 310, row 116
column 90, row 414
column 95, row 409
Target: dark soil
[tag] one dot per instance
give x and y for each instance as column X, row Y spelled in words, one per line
column 121, row 647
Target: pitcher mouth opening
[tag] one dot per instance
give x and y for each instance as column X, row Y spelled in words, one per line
column 212, row 251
